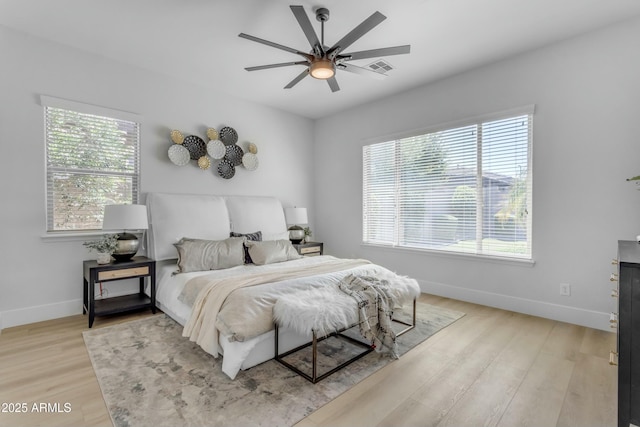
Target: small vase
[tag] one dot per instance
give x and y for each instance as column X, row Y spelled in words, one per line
column 307, row 239
column 103, row 258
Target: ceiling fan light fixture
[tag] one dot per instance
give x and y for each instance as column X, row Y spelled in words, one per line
column 322, row 69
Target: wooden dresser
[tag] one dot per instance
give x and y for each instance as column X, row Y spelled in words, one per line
column 628, row 342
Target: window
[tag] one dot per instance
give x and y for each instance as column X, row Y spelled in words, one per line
column 462, row 189
column 92, row 160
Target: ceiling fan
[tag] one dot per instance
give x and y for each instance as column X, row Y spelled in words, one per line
column 323, row 61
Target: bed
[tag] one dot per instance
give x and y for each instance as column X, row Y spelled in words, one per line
column 242, row 330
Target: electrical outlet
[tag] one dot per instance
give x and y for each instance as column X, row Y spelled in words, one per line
column 565, row 289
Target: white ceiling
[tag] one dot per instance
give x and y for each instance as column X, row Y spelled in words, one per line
column 197, row 40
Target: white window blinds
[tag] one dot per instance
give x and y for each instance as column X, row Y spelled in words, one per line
column 463, row 189
column 92, row 160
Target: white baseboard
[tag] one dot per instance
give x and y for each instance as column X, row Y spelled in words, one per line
column 562, row 313
column 39, row 313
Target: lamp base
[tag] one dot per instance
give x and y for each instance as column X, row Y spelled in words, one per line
column 296, row 234
column 127, row 247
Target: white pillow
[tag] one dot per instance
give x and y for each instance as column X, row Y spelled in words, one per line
column 270, row 251
column 203, row 255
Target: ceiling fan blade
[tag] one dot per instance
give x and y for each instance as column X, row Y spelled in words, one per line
column 359, row 31
column 276, row 45
column 333, row 84
column 282, row 64
column 305, row 24
column 385, row 51
column 363, row 71
column 295, row 81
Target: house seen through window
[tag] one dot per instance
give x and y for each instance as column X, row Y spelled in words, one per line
column 92, row 160
column 462, row 189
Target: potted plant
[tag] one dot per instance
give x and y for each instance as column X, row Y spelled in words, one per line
column 104, row 247
column 307, row 234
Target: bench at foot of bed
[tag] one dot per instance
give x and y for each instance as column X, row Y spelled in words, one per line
column 323, row 322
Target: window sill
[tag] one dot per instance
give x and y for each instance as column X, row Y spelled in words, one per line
column 455, row 255
column 71, row 236
column 78, row 236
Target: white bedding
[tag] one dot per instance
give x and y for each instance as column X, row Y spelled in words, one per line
column 242, row 355
column 211, row 217
column 237, row 355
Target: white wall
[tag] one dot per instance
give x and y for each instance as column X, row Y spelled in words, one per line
column 42, row 279
column 587, row 98
column 585, row 143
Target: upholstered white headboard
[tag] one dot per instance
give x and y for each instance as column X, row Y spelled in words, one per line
column 250, row 214
column 174, row 216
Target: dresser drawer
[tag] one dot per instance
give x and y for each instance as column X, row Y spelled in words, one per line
column 120, row 274
column 627, row 322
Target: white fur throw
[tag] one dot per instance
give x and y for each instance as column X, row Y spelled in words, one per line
column 323, row 310
column 328, row 309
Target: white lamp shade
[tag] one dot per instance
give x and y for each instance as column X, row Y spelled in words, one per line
column 295, row 215
column 125, row 217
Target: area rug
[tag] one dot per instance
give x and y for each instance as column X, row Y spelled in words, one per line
column 151, row 376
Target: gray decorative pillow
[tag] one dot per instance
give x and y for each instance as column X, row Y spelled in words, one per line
column 256, row 237
column 203, row 255
column 271, row 251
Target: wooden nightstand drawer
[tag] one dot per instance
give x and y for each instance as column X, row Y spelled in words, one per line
column 309, row 248
column 313, row 250
column 119, row 274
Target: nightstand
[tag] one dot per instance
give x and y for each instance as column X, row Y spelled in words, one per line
column 140, row 267
column 309, row 248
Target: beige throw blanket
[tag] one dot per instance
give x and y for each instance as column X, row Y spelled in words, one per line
column 375, row 310
column 201, row 328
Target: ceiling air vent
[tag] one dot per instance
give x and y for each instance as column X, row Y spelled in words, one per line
column 380, row 66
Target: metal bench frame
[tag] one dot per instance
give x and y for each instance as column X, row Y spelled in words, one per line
column 314, row 377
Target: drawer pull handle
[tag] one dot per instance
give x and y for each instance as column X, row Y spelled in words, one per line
column 612, row 358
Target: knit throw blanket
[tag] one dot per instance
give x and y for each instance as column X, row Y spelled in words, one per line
column 375, row 310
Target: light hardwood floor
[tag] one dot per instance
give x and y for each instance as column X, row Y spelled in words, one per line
column 490, row 368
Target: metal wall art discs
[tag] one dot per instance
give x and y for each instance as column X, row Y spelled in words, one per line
column 216, row 149
column 234, row 154
column 228, row 135
column 212, row 134
column 226, row 169
column 179, row 155
column 196, row 146
column 204, row 162
column 177, row 137
column 250, row 161
column 222, row 147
